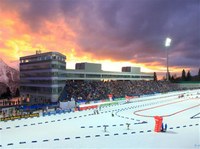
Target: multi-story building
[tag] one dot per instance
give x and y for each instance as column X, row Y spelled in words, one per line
column 43, row 75
column 39, row 75
column 92, row 71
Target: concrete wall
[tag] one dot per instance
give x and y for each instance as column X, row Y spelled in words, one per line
column 189, row 85
column 88, row 67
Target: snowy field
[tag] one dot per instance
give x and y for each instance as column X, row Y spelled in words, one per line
column 85, row 129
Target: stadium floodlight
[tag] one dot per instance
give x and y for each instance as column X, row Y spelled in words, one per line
column 167, row 44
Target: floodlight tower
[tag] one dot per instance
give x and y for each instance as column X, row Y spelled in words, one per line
column 167, row 45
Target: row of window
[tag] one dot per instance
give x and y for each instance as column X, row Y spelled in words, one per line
column 38, row 74
column 71, row 75
column 43, row 66
column 43, row 58
column 41, row 90
column 103, row 76
column 44, row 82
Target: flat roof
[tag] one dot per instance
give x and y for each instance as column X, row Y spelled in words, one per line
column 41, row 54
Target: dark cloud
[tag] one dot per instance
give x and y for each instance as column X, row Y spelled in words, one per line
column 36, row 13
column 130, row 30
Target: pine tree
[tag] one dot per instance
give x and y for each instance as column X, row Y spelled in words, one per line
column 172, row 78
column 169, row 75
column 154, row 76
column 183, row 75
column 188, row 76
column 199, row 74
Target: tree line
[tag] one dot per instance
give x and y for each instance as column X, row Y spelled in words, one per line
column 186, row 76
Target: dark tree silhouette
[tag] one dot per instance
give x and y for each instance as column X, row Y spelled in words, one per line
column 172, row 78
column 183, row 75
column 155, row 76
column 169, row 75
column 189, row 77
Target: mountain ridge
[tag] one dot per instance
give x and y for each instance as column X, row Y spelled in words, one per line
column 9, row 77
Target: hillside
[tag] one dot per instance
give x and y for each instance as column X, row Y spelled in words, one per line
column 9, row 77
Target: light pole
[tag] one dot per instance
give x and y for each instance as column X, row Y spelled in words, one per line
column 167, row 44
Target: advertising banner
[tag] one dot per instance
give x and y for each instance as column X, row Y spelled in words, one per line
column 20, row 116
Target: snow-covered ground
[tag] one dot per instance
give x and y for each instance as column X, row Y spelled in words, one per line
column 85, row 129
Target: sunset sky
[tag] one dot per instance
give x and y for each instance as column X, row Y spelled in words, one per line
column 115, row 33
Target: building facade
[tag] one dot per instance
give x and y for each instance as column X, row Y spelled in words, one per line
column 43, row 75
column 39, row 75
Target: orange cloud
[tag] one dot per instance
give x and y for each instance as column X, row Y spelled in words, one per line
column 17, row 39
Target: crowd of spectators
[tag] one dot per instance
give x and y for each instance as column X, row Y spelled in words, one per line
column 98, row 90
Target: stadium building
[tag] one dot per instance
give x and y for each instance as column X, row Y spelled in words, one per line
column 43, row 75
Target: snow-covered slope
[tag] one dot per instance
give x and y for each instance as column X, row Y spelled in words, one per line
column 84, row 129
column 8, row 76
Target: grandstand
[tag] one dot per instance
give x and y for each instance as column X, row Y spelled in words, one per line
column 43, row 75
column 99, row 90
